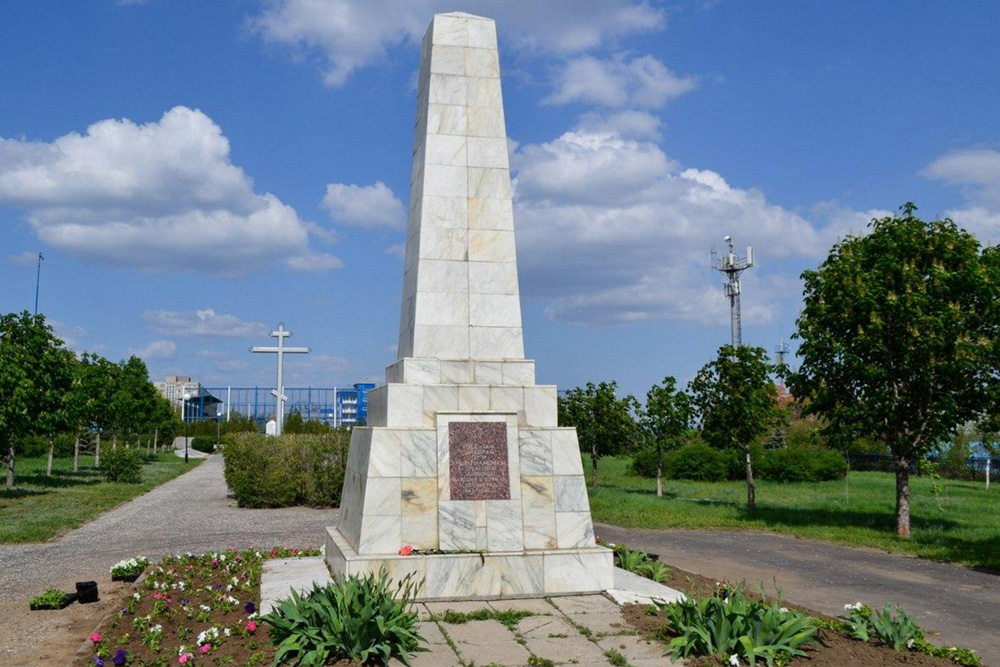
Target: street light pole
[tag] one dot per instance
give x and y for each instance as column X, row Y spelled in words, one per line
column 184, row 400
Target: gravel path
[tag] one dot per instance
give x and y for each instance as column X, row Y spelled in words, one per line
column 960, row 605
column 189, row 513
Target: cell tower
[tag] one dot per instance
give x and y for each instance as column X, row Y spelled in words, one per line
column 781, row 351
column 733, row 266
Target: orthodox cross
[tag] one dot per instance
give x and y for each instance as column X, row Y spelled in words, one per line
column 281, row 351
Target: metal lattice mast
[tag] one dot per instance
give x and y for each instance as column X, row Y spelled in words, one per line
column 733, row 266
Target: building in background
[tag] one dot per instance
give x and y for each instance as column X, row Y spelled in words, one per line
column 201, row 404
column 336, row 406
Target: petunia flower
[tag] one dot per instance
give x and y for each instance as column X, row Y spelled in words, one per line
column 98, row 661
column 250, row 607
column 205, row 648
column 119, row 658
column 406, row 550
column 251, row 627
column 96, row 637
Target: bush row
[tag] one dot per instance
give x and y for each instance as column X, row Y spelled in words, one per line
column 699, row 462
column 288, row 470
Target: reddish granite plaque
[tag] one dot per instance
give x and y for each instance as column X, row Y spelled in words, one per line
column 477, row 454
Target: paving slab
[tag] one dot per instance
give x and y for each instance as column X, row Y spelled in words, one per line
column 585, row 604
column 534, row 605
column 460, row 606
column 575, row 649
column 279, row 576
column 603, row 623
column 637, row 650
column 545, row 626
column 630, row 588
column 437, row 655
column 486, row 642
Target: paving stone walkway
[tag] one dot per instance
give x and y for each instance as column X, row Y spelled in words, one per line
column 576, row 630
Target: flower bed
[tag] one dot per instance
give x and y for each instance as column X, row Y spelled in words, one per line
column 192, row 610
column 129, row 569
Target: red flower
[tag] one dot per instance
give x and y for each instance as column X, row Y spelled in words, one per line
column 96, row 637
column 406, row 550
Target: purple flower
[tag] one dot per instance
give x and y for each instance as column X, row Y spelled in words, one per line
column 98, row 661
column 250, row 607
column 119, row 658
column 184, row 602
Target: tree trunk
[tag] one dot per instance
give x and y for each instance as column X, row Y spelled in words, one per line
column 76, row 454
column 659, row 471
column 97, row 451
column 10, row 465
column 52, row 451
column 751, row 495
column 593, row 467
column 156, row 438
column 902, row 496
column 114, row 440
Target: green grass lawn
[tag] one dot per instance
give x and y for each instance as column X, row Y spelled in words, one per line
column 39, row 508
column 959, row 522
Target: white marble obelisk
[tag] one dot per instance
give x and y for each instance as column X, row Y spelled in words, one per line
column 463, row 459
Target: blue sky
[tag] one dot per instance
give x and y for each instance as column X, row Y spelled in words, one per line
column 196, row 172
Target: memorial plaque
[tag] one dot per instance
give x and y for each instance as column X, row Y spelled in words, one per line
column 477, row 453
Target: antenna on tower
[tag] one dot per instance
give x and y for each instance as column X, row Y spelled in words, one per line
column 733, row 265
column 781, row 351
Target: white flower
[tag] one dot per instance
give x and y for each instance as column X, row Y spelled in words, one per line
column 226, row 632
column 853, row 607
column 909, row 644
column 205, row 607
column 136, row 596
column 734, row 660
column 180, row 651
column 156, row 629
column 783, row 610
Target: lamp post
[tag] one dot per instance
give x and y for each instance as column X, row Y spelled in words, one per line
column 184, row 400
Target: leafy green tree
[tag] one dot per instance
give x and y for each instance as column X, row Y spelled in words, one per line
column 133, row 400
column 737, row 403
column 52, row 409
column 664, row 420
column 27, row 383
column 604, row 422
column 899, row 338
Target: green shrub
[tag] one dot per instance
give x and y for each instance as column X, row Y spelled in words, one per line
column 801, row 465
column 733, row 623
column 121, row 465
column 288, row 470
column 363, row 618
column 644, row 461
column 697, row 462
column 203, row 443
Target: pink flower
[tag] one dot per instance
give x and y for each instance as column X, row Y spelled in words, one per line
column 215, row 561
column 157, row 596
column 184, row 658
column 205, row 648
column 406, row 550
column 251, row 626
column 96, row 637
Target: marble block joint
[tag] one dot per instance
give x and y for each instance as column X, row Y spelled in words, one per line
column 463, row 453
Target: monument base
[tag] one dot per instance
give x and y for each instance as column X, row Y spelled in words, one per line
column 482, row 575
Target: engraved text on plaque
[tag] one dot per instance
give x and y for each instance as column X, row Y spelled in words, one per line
column 478, row 461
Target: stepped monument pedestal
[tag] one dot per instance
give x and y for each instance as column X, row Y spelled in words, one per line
column 463, row 459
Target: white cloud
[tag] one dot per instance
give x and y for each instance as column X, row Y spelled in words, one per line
column 396, row 250
column 23, row 258
column 157, row 350
column 323, row 368
column 364, row 205
column 201, row 323
column 641, row 82
column 162, row 196
column 629, row 123
column 611, row 230
column 69, row 333
column 977, row 173
column 351, row 35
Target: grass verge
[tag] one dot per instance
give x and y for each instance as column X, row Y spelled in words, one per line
column 39, row 508
column 954, row 521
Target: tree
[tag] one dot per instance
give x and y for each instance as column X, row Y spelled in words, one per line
column 26, row 383
column 604, row 423
column 52, row 409
column 737, row 403
column 899, row 338
column 133, row 400
column 664, row 420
